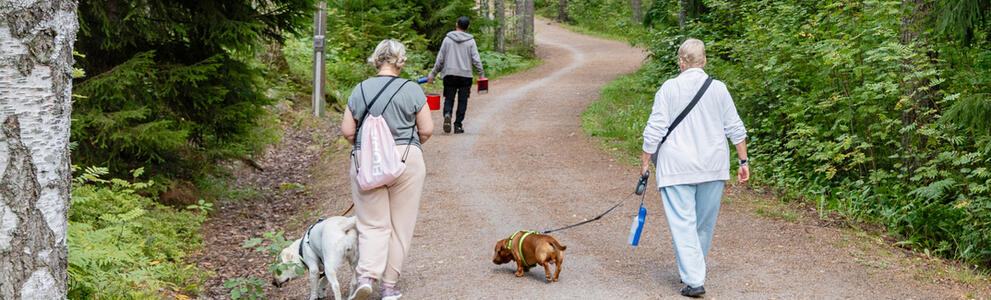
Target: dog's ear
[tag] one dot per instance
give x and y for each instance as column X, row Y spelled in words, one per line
column 499, row 245
column 290, row 254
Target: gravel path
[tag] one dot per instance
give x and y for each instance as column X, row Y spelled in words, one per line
column 524, row 163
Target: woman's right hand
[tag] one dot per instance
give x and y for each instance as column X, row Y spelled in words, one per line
column 644, row 163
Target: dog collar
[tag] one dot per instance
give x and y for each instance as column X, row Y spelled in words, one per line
column 519, row 247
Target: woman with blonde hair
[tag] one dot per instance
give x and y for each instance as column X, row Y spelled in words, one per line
column 386, row 215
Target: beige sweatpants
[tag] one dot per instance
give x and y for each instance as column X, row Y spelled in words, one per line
column 386, row 217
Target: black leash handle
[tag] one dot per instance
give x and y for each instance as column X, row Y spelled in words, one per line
column 592, row 219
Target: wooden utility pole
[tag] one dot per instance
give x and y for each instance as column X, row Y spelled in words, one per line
column 35, row 119
column 500, row 26
column 319, row 56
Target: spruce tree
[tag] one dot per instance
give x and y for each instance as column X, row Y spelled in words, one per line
column 173, row 85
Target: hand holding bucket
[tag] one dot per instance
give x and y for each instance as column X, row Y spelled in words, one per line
column 483, row 85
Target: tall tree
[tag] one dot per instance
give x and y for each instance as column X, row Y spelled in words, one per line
column 636, row 6
column 683, row 11
column 174, row 85
column 914, row 15
column 35, row 103
column 524, row 24
column 500, row 26
column 483, row 9
column 562, row 10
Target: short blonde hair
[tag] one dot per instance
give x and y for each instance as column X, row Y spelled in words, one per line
column 388, row 51
column 692, row 53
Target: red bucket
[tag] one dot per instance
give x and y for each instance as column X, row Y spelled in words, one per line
column 433, row 101
column 483, row 85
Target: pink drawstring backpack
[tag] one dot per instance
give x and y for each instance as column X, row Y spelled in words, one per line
column 377, row 162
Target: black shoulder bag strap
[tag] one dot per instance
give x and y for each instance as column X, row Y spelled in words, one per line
column 368, row 106
column 681, row 116
column 409, row 142
column 368, row 110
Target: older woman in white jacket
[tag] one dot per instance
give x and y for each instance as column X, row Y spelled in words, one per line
column 693, row 163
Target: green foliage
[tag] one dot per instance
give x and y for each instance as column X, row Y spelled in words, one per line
column 840, row 112
column 500, row 64
column 611, row 18
column 245, row 288
column 124, row 245
column 175, row 85
column 619, row 114
column 271, row 244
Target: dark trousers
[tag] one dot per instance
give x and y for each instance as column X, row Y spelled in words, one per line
column 460, row 86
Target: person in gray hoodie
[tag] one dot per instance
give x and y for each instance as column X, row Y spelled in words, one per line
column 458, row 53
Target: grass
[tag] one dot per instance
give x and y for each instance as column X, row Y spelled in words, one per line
column 618, row 118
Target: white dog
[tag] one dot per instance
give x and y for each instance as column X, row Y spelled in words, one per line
column 323, row 247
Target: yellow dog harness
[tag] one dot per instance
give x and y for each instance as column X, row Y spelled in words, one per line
column 519, row 245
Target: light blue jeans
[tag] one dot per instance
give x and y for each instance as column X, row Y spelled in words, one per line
column 691, row 211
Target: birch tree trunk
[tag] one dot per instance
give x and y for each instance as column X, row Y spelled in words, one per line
column 637, row 7
column 36, row 39
column 500, row 26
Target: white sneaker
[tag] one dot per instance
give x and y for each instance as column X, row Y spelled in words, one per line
column 391, row 294
column 362, row 292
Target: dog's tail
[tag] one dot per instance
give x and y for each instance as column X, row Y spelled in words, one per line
column 557, row 244
column 350, row 223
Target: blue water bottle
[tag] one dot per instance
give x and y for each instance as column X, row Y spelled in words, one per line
column 637, row 226
column 421, row 80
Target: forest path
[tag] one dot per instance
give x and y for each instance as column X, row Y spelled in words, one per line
column 524, row 163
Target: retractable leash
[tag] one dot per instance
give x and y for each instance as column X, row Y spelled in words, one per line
column 637, row 227
column 639, row 190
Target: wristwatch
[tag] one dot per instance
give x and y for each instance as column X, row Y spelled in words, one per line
column 743, row 162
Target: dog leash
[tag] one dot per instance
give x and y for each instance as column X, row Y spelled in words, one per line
column 349, row 210
column 620, row 202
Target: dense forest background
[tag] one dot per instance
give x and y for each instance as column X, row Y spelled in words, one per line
column 873, row 112
column 169, row 95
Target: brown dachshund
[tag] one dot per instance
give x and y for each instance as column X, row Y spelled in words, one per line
column 536, row 249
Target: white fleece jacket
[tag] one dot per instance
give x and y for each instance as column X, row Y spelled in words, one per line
column 696, row 151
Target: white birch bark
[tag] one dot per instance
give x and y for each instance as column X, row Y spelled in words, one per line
column 36, row 38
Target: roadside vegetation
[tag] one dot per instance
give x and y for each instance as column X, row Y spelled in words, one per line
column 873, row 110
column 170, row 98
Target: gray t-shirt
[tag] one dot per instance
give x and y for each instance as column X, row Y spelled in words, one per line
column 400, row 113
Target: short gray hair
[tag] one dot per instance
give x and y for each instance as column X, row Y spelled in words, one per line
column 692, row 53
column 388, row 51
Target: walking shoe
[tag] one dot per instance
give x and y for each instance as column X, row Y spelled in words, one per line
column 694, row 292
column 391, row 293
column 447, row 123
column 364, row 289
column 459, row 129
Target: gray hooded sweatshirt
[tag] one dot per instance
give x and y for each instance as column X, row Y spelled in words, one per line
column 457, row 54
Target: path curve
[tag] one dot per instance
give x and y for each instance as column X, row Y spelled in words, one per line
column 524, row 163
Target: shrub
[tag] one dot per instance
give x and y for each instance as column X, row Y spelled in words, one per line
column 123, row 244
